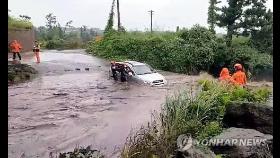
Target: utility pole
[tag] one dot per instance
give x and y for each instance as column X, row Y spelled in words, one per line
column 151, row 12
column 119, row 20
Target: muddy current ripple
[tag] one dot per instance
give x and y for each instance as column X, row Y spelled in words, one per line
column 67, row 106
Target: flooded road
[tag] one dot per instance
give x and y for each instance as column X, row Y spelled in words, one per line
column 67, row 106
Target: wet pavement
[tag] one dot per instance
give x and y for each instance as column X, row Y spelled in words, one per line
column 73, row 103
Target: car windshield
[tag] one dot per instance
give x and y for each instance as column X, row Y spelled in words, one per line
column 142, row 69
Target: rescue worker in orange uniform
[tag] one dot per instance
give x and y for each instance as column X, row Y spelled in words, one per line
column 15, row 48
column 239, row 77
column 224, row 75
column 36, row 50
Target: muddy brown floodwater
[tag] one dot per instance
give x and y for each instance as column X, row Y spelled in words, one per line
column 67, row 106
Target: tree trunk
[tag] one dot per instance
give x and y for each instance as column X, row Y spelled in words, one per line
column 229, row 35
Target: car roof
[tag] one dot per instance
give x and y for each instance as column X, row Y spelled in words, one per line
column 134, row 63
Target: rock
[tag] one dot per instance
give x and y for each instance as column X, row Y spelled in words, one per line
column 187, row 148
column 99, row 86
column 82, row 153
column 87, row 69
column 232, row 142
column 74, row 115
column 196, row 152
column 250, row 115
column 78, row 69
column 20, row 72
column 60, row 94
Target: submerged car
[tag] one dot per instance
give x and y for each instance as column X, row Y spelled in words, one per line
column 143, row 73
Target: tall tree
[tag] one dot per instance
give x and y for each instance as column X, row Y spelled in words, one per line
column 68, row 25
column 51, row 21
column 84, row 33
column 60, row 31
column 263, row 39
column 110, row 21
column 240, row 17
column 212, row 14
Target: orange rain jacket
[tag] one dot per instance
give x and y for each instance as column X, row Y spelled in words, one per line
column 224, row 75
column 239, row 78
column 15, row 47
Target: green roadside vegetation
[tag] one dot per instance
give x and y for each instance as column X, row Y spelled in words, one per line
column 55, row 36
column 19, row 23
column 199, row 115
column 185, row 51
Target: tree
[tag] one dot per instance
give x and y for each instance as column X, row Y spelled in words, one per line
column 84, row 33
column 110, row 21
column 51, row 21
column 41, row 33
column 263, row 39
column 212, row 14
column 92, row 32
column 241, row 17
column 68, row 25
column 25, row 17
column 60, row 31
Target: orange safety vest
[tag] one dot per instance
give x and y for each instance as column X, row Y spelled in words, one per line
column 239, row 78
column 15, row 47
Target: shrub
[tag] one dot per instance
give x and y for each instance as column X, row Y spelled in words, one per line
column 188, row 51
column 72, row 44
column 249, row 57
column 54, row 44
column 199, row 115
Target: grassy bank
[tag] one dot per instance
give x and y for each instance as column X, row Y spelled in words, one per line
column 199, row 115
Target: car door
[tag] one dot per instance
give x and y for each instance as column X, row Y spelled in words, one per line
column 134, row 77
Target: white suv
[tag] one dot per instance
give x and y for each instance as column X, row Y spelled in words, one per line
column 143, row 73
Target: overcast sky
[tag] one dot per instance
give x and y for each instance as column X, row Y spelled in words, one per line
column 134, row 13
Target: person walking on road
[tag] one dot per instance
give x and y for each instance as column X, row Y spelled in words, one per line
column 15, row 47
column 36, row 50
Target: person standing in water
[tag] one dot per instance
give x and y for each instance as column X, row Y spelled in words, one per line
column 224, row 75
column 36, row 50
column 239, row 77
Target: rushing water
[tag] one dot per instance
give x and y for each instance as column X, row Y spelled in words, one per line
column 67, row 106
